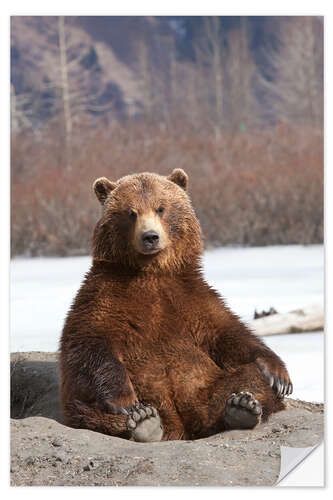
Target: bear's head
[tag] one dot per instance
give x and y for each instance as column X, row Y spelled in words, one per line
column 147, row 221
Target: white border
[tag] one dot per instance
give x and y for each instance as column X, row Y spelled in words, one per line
column 172, row 7
column 131, row 7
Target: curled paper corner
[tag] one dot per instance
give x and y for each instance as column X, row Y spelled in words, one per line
column 291, row 457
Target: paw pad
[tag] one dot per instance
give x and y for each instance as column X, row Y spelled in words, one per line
column 242, row 411
column 145, row 423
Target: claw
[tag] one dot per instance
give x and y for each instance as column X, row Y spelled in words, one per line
column 286, row 390
column 279, row 385
column 281, row 389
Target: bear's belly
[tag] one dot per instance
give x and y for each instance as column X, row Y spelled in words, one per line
column 178, row 371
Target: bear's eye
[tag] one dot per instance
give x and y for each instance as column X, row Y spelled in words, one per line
column 132, row 214
column 160, row 210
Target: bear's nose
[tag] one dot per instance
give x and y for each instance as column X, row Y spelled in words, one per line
column 150, row 238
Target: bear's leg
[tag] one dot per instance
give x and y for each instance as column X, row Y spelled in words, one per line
column 142, row 422
column 235, row 398
column 173, row 426
column 98, row 394
column 246, row 398
column 81, row 415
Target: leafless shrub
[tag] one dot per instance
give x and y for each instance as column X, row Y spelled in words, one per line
column 248, row 188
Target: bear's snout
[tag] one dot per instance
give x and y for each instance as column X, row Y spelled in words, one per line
column 150, row 240
column 149, row 234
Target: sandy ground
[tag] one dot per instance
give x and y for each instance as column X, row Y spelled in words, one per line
column 45, row 452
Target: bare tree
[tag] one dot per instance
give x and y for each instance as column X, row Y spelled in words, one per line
column 240, row 70
column 80, row 88
column 27, row 106
column 189, row 102
column 294, row 84
column 70, row 88
column 145, row 70
column 20, row 110
column 209, row 53
column 65, row 89
column 155, row 66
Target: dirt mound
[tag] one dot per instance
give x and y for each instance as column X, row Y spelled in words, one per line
column 34, row 385
column 45, row 452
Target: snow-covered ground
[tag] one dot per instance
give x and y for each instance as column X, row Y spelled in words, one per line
column 285, row 277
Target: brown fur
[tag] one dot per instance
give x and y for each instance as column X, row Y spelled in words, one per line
column 148, row 328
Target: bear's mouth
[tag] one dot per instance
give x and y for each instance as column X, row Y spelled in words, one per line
column 149, row 251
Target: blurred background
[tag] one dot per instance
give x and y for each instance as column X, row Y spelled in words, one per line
column 237, row 102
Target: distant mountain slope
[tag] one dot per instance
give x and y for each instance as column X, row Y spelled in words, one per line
column 131, row 61
column 35, row 59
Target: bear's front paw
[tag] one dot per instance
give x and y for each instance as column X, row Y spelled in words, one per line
column 145, row 423
column 276, row 375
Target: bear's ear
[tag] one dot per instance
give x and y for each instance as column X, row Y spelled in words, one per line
column 179, row 177
column 102, row 188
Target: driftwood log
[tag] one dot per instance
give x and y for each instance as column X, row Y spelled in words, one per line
column 309, row 319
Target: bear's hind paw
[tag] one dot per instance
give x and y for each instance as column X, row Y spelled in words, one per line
column 145, row 423
column 242, row 411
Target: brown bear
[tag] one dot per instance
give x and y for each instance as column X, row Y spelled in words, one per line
column 149, row 350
